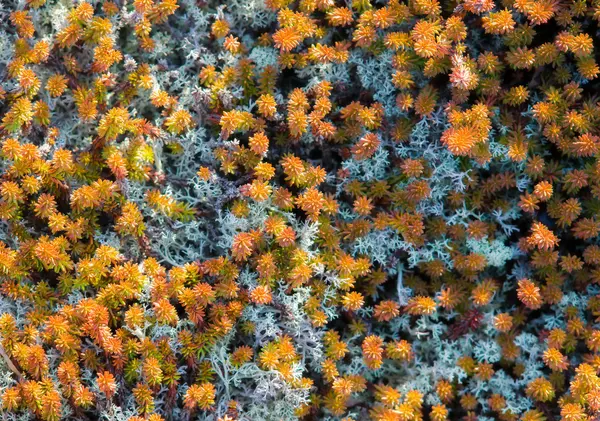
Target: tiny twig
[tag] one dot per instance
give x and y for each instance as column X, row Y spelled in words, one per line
column 10, row 364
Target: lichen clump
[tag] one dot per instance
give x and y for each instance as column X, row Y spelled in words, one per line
column 299, row 209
